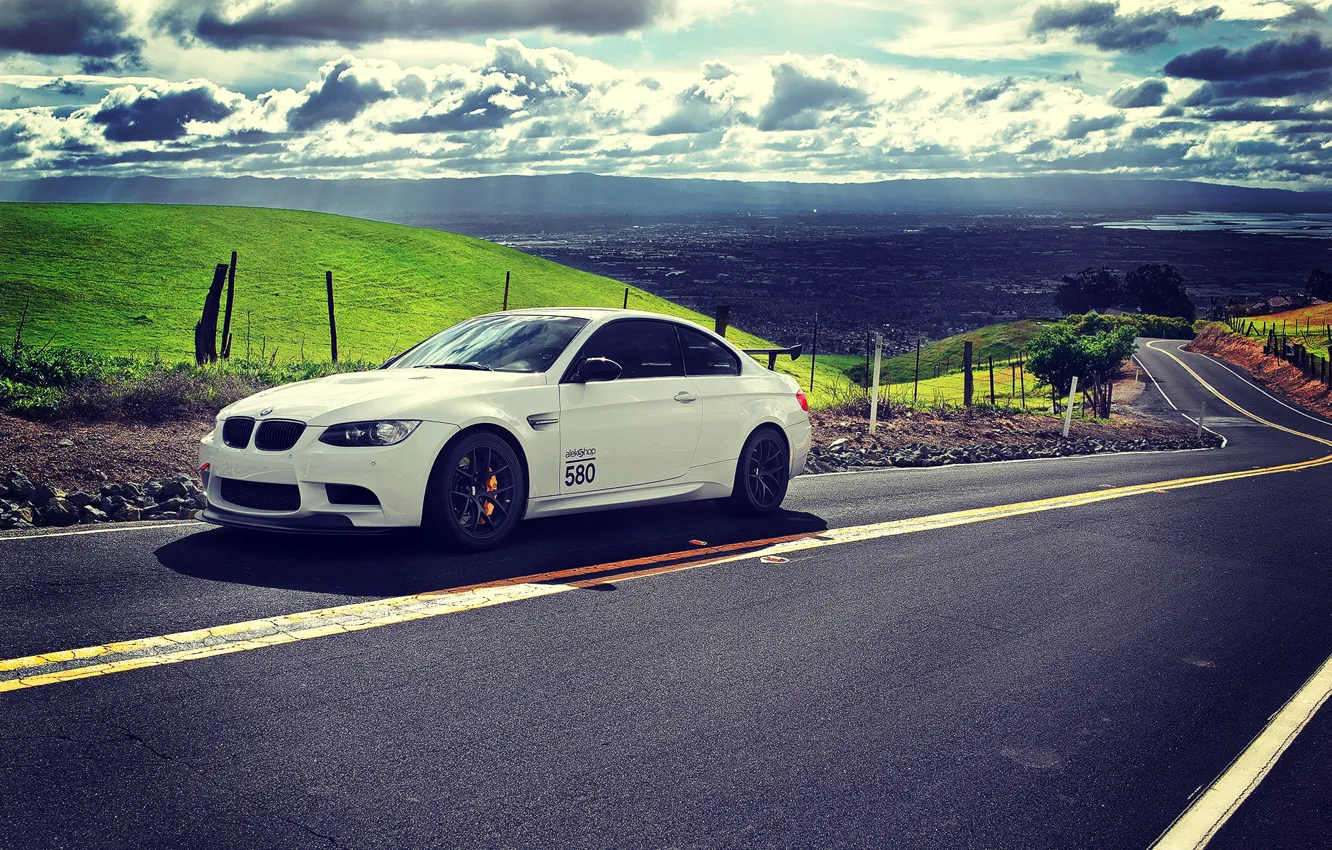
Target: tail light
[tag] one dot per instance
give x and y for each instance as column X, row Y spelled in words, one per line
column 804, row 402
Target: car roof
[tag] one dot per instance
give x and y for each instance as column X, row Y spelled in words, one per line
column 595, row 313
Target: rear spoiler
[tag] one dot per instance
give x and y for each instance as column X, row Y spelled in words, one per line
column 772, row 353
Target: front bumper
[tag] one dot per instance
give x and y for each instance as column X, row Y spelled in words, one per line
column 397, row 475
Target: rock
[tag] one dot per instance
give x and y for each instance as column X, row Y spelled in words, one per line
column 128, row 513
column 144, row 502
column 172, row 490
column 65, row 442
column 58, row 511
column 80, row 499
column 152, row 487
column 88, row 514
column 112, row 504
column 201, row 500
column 836, row 444
column 130, row 490
column 23, row 515
column 176, row 504
column 111, row 489
column 18, row 485
column 100, row 475
column 166, row 515
column 42, row 493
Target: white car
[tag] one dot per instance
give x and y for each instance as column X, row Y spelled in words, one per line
column 526, row 413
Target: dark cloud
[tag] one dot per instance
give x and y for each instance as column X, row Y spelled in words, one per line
column 1101, row 25
column 1146, row 93
column 340, row 97
column 475, row 111
column 1023, row 101
column 1293, row 54
column 975, row 97
column 60, row 85
column 798, row 98
column 353, row 22
column 1261, row 112
column 1162, row 129
column 140, row 115
column 12, row 138
column 1314, row 82
column 95, row 31
column 696, row 111
column 1079, row 127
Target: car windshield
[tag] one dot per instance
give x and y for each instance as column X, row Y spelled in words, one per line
column 505, row 343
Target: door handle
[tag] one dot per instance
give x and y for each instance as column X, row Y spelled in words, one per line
column 684, row 396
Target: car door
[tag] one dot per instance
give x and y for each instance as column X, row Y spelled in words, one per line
column 640, row 428
column 715, row 371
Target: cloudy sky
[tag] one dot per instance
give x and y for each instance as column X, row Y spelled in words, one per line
column 1236, row 91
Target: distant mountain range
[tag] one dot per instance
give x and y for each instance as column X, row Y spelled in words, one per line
column 574, row 194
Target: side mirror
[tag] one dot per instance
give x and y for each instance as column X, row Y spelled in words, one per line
column 595, row 369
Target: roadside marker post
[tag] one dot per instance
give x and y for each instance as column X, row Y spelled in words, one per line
column 1068, row 407
column 874, row 401
column 1202, row 414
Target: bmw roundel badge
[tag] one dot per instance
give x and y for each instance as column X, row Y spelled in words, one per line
column 266, row 411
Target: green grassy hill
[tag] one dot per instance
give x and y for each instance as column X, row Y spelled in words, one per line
column 1001, row 341
column 130, row 279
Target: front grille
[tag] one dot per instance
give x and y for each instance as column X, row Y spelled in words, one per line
column 236, row 431
column 350, row 494
column 261, row 496
column 278, row 435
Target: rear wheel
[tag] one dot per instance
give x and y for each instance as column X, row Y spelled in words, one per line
column 761, row 474
column 477, row 493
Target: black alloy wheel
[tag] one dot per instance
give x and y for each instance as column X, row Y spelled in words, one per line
column 762, row 473
column 477, row 493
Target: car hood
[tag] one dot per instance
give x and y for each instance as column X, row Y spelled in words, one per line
column 381, row 393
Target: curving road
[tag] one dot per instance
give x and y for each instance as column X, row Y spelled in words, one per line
column 1038, row 654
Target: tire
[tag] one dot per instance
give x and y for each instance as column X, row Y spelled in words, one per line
column 477, row 494
column 761, row 473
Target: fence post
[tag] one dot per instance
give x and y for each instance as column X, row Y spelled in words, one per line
column 205, row 330
column 626, row 298
column 915, row 388
column 1068, row 408
column 332, row 323
column 1022, row 379
column 874, row 401
column 723, row 319
column 506, row 292
column 226, row 319
column 991, row 381
column 968, row 379
column 813, row 352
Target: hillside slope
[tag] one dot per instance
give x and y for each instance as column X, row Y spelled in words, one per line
column 131, row 279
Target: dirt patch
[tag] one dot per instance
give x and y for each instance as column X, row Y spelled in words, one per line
column 82, row 455
column 1277, row 375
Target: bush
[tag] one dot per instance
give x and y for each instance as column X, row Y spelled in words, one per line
column 87, row 385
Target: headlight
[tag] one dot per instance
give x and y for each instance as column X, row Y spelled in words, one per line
column 382, row 432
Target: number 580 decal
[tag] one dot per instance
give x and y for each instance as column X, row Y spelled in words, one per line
column 580, row 473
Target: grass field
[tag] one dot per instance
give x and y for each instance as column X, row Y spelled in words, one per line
column 1310, row 327
column 130, row 279
column 1001, row 341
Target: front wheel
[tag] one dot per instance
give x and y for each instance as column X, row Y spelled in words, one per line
column 477, row 493
column 761, row 473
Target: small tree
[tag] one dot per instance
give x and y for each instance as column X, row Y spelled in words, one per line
column 1091, row 347
column 1055, row 356
column 1089, row 289
column 1158, row 288
column 1319, row 284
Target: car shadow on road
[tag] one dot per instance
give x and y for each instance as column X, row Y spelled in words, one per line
column 404, row 563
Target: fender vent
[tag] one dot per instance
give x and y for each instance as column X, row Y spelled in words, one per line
column 350, row 494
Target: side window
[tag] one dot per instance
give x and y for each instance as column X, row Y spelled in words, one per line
column 706, row 356
column 643, row 348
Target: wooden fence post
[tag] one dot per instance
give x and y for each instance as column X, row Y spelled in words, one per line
column 723, row 319
column 332, row 323
column 968, row 379
column 813, row 351
column 226, row 319
column 506, row 292
column 1022, row 380
column 205, row 330
column 626, row 298
column 915, row 389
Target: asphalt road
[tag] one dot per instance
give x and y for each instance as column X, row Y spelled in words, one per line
column 1069, row 677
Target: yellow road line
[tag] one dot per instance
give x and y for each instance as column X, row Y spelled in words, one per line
column 86, row 662
column 1198, row 824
